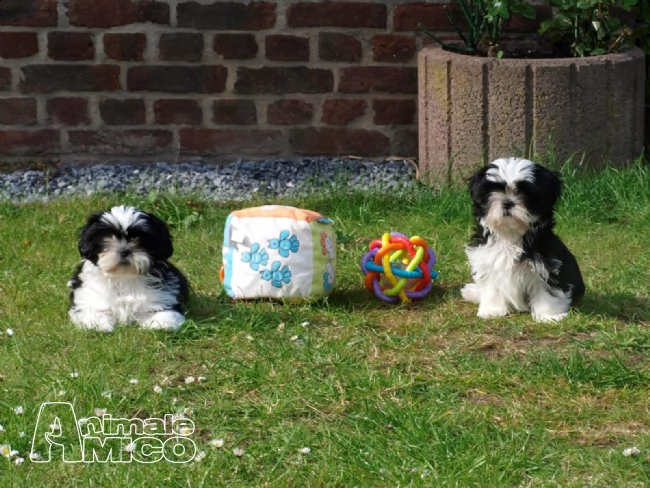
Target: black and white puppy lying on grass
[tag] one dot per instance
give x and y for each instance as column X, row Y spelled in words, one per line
column 517, row 261
column 125, row 277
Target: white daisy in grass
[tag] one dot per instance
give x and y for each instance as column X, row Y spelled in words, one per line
column 185, row 430
column 305, row 324
column 238, row 451
column 5, row 450
column 100, row 412
column 304, row 450
column 216, row 443
column 249, row 337
column 21, row 435
column 10, row 332
column 130, row 447
column 55, row 427
column 18, row 461
column 1, row 428
column 157, row 389
column 34, row 456
column 281, row 327
column 74, row 374
column 134, row 381
column 199, row 457
column 106, row 394
column 61, row 393
column 190, row 379
column 188, row 411
column 19, row 410
column 631, row 451
column 202, row 378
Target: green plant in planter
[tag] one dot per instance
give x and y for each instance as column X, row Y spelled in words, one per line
column 486, row 20
column 586, row 27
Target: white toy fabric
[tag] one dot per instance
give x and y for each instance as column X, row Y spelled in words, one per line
column 278, row 252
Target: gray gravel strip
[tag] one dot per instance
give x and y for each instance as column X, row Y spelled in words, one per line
column 236, row 181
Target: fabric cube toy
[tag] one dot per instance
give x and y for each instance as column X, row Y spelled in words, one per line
column 278, row 252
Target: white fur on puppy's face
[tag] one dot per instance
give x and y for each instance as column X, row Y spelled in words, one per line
column 122, row 257
column 506, row 212
column 513, row 222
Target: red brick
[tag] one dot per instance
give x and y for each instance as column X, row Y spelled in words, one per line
column 343, row 111
column 123, row 112
column 393, row 112
column 5, row 78
column 15, row 142
column 17, row 111
column 235, row 46
column 405, row 144
column 329, row 140
column 113, row 13
column 70, row 46
column 287, row 48
column 50, row 78
column 182, row 46
column 363, row 79
column 393, row 48
column 178, row 79
column 234, row 112
column 333, row 46
column 227, row 15
column 18, row 44
column 28, row 13
column 289, row 112
column 337, row 14
column 68, row 111
column 520, row 24
column 125, row 47
column 135, row 142
column 408, row 17
column 178, row 112
column 231, row 142
column 280, row 81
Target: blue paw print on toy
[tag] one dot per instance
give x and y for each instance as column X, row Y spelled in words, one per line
column 276, row 275
column 285, row 244
column 328, row 278
column 256, row 257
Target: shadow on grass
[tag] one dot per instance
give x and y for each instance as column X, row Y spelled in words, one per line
column 624, row 307
column 359, row 299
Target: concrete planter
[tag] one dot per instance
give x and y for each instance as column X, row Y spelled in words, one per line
column 473, row 109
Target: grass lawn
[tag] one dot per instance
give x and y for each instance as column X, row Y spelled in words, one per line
column 411, row 395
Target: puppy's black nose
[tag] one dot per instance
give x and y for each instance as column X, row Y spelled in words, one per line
column 508, row 204
column 125, row 253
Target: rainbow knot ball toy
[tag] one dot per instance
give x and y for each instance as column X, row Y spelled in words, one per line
column 398, row 268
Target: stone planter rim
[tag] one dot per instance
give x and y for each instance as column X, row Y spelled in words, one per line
column 629, row 53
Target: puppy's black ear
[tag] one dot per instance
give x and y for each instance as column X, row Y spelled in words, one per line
column 159, row 238
column 89, row 242
column 550, row 185
column 474, row 182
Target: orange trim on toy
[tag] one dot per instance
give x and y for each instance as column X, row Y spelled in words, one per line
column 274, row 212
column 222, row 274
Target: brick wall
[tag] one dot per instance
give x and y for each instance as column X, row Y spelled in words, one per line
column 171, row 79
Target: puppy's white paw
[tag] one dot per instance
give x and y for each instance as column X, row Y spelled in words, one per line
column 99, row 321
column 538, row 317
column 165, row 320
column 471, row 292
column 491, row 312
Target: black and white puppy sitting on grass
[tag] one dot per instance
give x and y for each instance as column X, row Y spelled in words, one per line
column 125, row 276
column 517, row 261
